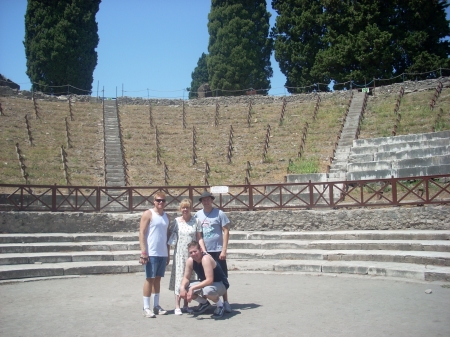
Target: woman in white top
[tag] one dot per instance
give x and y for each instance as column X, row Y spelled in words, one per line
column 188, row 229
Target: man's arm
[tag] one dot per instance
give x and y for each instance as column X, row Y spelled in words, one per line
column 226, row 235
column 200, row 241
column 143, row 225
column 208, row 264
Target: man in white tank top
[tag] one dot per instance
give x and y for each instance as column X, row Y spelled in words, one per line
column 155, row 253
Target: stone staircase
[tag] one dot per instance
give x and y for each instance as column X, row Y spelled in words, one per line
column 115, row 171
column 409, row 254
column 400, row 156
column 338, row 168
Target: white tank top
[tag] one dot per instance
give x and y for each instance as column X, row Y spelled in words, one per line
column 157, row 235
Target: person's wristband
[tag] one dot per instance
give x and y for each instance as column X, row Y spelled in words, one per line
column 144, row 253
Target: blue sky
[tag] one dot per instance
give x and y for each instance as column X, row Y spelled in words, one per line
column 148, row 47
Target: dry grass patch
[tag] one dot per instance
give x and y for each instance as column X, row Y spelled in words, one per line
column 416, row 116
column 85, row 158
column 43, row 158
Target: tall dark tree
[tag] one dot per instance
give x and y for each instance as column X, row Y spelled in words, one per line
column 359, row 39
column 298, row 33
column 420, row 27
column 239, row 46
column 199, row 76
column 60, row 41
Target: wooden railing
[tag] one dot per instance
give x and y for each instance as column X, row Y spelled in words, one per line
column 414, row 191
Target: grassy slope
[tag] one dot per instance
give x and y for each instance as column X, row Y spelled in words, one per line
column 85, row 158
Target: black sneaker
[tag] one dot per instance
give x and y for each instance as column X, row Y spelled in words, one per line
column 201, row 308
column 218, row 313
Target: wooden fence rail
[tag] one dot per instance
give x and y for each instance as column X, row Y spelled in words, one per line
column 412, row 191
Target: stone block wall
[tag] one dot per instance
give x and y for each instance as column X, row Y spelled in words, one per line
column 395, row 218
column 409, row 86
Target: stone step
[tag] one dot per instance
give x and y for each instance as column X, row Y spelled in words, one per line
column 58, row 257
column 18, row 271
column 403, row 245
column 407, row 254
column 239, row 235
column 416, row 257
column 386, row 269
column 64, row 237
column 425, row 258
column 373, row 268
column 247, row 245
column 262, row 245
column 37, row 247
column 402, row 139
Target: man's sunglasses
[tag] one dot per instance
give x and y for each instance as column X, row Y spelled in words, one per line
column 160, row 200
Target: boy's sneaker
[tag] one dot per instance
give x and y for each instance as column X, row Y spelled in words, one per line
column 159, row 311
column 227, row 306
column 187, row 310
column 178, row 311
column 201, row 308
column 218, row 313
column 148, row 313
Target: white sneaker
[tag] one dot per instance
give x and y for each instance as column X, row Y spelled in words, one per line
column 148, row 313
column 227, row 306
column 178, row 311
column 159, row 311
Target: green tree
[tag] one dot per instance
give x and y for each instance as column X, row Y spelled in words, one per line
column 358, row 42
column 199, row 76
column 325, row 40
column 60, row 41
column 420, row 27
column 298, row 33
column 239, row 46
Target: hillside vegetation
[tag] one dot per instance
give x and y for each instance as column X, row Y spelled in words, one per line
column 85, row 157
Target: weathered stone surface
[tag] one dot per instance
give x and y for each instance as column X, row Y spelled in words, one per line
column 379, row 92
column 426, row 217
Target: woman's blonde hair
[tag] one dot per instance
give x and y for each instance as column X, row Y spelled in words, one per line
column 186, row 202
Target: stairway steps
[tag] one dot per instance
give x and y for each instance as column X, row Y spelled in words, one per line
column 57, row 257
column 115, row 171
column 241, row 235
column 426, row 258
column 370, row 268
column 412, row 245
column 414, row 254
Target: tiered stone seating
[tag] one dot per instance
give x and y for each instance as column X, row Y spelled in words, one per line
column 416, row 254
column 400, row 156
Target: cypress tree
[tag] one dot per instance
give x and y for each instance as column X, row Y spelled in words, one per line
column 60, row 41
column 239, row 46
column 199, row 76
column 298, row 33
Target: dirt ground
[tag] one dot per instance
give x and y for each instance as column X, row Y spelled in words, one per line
column 264, row 304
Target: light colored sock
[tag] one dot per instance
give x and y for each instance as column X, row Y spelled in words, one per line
column 155, row 300
column 146, row 302
column 200, row 300
column 219, row 303
column 152, row 296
